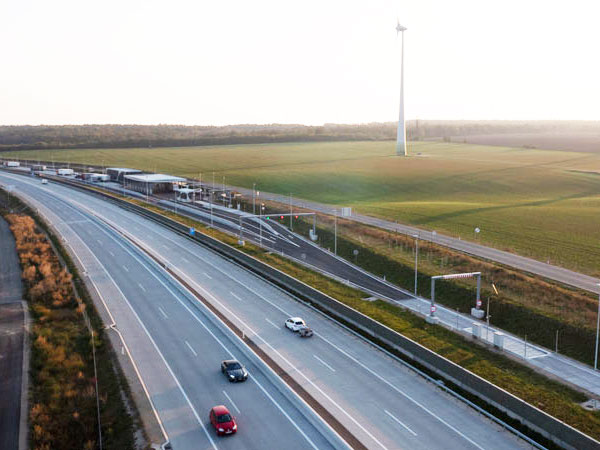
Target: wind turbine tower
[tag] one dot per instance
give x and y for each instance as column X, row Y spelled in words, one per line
column 401, row 137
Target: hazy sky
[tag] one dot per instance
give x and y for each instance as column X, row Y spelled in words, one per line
column 310, row 61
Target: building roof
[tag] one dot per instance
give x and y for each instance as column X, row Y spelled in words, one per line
column 124, row 169
column 154, row 178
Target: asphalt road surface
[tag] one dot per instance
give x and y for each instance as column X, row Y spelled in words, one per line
column 274, row 236
column 542, row 269
column 382, row 402
column 12, row 327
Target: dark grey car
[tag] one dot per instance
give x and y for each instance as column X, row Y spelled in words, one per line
column 234, row 371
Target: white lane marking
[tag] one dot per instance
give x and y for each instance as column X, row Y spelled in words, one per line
column 398, row 420
column 260, row 296
column 341, row 351
column 99, row 241
column 184, row 259
column 271, row 323
column 191, row 349
column 207, row 275
column 187, row 399
column 235, row 296
column 186, row 307
column 404, row 394
column 142, row 287
column 111, row 254
column 254, row 332
column 231, row 401
column 164, row 246
column 113, row 327
column 163, row 313
column 126, row 269
column 324, row 363
column 288, row 362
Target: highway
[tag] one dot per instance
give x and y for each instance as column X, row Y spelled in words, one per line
column 560, row 274
column 13, row 390
column 177, row 347
column 278, row 238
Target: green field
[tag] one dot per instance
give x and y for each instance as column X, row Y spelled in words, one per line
column 544, row 204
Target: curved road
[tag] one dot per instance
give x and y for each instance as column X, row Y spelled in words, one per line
column 383, row 403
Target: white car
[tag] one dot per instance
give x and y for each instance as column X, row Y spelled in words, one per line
column 295, row 323
column 44, row 181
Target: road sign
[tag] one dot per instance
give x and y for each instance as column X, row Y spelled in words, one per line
column 478, row 303
column 192, row 231
column 433, row 308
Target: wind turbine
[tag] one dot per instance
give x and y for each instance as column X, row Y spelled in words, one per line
column 401, row 136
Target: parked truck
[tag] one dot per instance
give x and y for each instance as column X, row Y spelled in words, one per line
column 66, row 172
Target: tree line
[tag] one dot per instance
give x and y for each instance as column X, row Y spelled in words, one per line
column 29, row 137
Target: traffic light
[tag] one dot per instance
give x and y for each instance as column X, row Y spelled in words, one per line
column 268, row 217
column 281, row 217
column 296, row 217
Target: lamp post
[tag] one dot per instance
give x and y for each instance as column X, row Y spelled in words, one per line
column 210, row 202
column 253, row 199
column 416, row 236
column 401, row 135
column 291, row 224
column 597, row 330
column 262, row 208
column 335, row 233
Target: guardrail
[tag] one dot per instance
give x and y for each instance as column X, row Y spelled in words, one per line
column 551, row 428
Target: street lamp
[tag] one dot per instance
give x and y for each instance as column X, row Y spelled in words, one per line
column 210, row 198
column 253, row 199
column 416, row 236
column 262, row 209
column 335, row 233
column 597, row 330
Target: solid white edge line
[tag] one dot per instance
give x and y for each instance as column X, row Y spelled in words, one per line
column 180, row 301
column 340, row 350
column 180, row 387
column 343, row 352
column 113, row 325
column 111, row 235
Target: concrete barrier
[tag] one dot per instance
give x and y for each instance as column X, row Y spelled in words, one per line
column 551, row 428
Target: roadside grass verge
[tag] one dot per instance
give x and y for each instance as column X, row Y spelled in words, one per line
column 526, row 306
column 63, row 400
column 550, row 396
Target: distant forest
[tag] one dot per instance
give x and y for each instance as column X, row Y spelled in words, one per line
column 95, row 136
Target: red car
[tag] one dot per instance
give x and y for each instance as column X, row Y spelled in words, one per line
column 222, row 420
